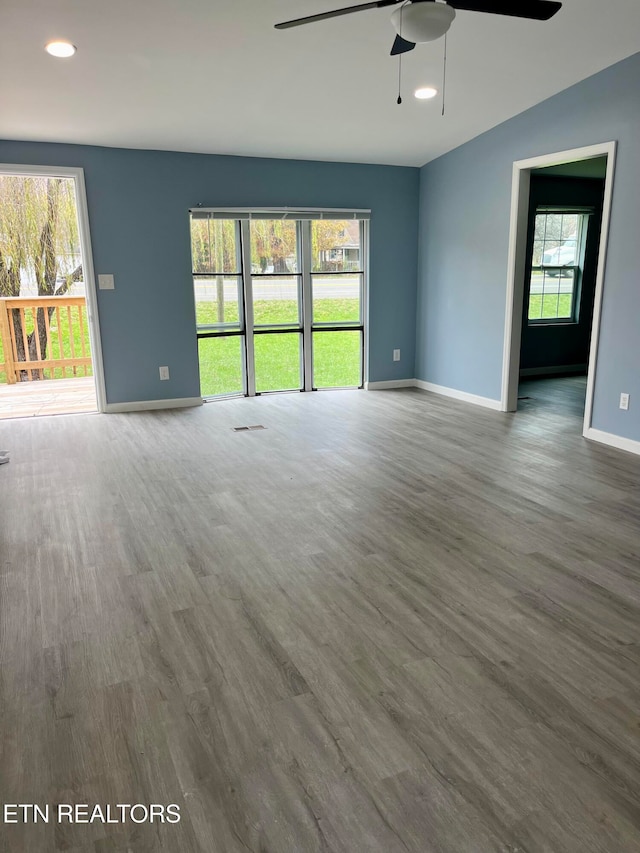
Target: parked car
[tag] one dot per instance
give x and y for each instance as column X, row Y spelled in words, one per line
column 561, row 256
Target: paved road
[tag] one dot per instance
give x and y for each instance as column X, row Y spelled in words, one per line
column 273, row 288
column 286, row 289
column 331, row 288
column 553, row 285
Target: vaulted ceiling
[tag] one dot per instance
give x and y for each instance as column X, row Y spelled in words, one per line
column 215, row 76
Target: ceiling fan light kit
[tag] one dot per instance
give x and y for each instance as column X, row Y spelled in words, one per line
column 426, row 20
column 423, row 22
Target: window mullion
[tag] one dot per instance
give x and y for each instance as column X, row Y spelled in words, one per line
column 248, row 307
column 307, row 307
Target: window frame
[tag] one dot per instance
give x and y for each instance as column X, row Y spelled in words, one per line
column 341, row 325
column 573, row 317
column 246, row 327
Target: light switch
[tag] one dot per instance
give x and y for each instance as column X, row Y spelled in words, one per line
column 105, row 282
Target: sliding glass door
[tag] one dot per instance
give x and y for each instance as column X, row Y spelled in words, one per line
column 276, row 292
column 279, row 300
column 337, row 284
column 219, row 296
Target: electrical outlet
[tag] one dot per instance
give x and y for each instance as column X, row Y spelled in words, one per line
column 396, row 355
column 164, row 373
column 624, row 401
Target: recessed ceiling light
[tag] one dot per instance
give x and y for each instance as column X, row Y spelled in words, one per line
column 425, row 92
column 61, row 49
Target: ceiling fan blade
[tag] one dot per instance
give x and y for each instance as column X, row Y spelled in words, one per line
column 335, row 13
column 538, row 10
column 401, row 45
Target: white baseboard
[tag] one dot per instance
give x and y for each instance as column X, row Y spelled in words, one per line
column 612, row 440
column 389, row 383
column 487, row 402
column 147, row 405
column 552, row 371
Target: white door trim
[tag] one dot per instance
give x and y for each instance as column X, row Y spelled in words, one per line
column 87, row 258
column 516, row 264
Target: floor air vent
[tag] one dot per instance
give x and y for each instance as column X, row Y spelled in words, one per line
column 248, row 428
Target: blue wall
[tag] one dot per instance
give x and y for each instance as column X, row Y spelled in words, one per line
column 138, row 203
column 465, row 199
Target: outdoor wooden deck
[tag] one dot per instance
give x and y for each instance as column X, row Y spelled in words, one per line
column 48, row 397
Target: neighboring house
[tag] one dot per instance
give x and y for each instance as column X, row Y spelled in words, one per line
column 345, row 255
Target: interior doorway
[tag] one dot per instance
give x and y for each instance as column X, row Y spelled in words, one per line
column 559, row 227
column 563, row 234
column 49, row 343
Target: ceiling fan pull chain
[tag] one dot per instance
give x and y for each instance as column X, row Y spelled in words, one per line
column 399, row 101
column 444, row 71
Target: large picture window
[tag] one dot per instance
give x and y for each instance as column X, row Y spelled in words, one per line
column 279, row 299
column 556, row 265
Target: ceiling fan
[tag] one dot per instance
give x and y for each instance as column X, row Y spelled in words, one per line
column 419, row 21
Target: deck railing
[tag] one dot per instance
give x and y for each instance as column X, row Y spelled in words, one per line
column 43, row 337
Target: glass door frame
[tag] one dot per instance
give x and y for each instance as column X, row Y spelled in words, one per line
column 251, row 330
column 306, row 328
column 338, row 326
column 209, row 331
column 76, row 173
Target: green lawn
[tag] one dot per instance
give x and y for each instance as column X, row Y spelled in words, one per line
column 550, row 306
column 336, row 355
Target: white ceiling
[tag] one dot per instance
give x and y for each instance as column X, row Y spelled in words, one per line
column 215, row 76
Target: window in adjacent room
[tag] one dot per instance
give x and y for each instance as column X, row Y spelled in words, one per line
column 556, row 265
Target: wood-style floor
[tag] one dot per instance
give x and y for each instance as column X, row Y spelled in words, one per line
column 388, row 622
column 554, row 395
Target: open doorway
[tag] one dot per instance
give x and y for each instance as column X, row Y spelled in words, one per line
column 49, row 347
column 559, row 227
column 563, row 235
